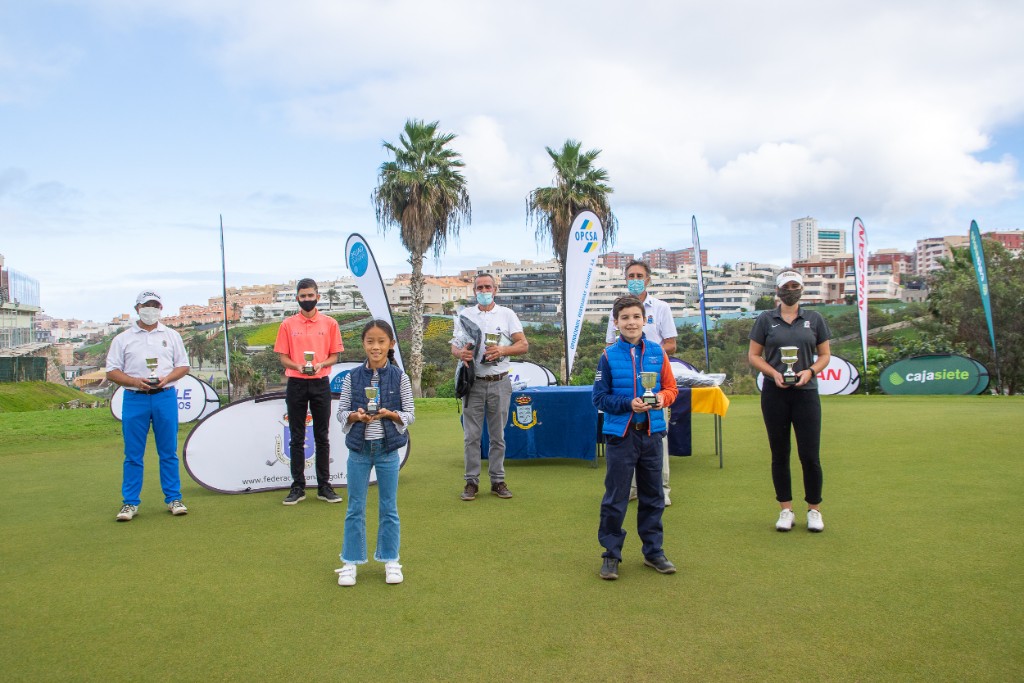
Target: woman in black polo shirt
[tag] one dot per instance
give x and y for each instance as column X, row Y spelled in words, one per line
column 794, row 403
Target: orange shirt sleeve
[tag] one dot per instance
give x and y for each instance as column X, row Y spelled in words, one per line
column 669, row 390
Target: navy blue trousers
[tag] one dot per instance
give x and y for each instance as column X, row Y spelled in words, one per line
column 640, row 453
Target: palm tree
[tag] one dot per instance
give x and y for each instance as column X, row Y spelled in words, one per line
column 579, row 185
column 422, row 193
column 332, row 296
column 357, row 299
column 198, row 348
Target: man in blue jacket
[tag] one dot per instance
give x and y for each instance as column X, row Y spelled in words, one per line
column 633, row 431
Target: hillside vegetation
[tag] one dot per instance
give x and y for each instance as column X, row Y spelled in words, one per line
column 19, row 397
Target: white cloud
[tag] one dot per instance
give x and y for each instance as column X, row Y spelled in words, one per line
column 745, row 114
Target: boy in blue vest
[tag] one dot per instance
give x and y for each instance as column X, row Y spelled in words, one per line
column 633, row 431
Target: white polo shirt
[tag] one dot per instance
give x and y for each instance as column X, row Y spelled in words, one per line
column 658, row 325
column 498, row 320
column 130, row 349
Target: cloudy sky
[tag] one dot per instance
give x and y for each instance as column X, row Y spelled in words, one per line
column 128, row 126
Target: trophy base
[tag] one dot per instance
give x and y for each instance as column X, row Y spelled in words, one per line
column 153, row 381
column 789, row 380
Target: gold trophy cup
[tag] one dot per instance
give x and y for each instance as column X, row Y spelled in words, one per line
column 372, row 404
column 152, row 380
column 648, row 380
column 789, row 357
column 307, row 369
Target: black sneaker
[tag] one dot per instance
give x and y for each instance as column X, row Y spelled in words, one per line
column 469, row 493
column 327, row 493
column 501, row 490
column 610, row 569
column 660, row 564
column 295, row 495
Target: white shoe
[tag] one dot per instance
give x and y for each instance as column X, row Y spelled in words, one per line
column 785, row 522
column 668, row 501
column 346, row 575
column 814, row 522
column 127, row 512
column 177, row 508
column 392, row 573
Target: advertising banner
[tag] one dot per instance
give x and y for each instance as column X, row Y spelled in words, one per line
column 981, row 272
column 586, row 239
column 531, row 374
column 934, row 374
column 860, row 278
column 700, row 292
column 337, row 375
column 196, row 399
column 839, row 377
column 243, row 448
column 364, row 267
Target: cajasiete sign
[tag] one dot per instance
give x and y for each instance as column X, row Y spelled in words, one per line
column 934, row 374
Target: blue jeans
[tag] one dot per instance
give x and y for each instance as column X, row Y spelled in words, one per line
column 137, row 412
column 372, row 456
column 640, row 453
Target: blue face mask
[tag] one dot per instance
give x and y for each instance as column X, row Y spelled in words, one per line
column 484, row 298
column 636, row 287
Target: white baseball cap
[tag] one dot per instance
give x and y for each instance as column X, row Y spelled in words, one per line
column 789, row 276
column 148, row 295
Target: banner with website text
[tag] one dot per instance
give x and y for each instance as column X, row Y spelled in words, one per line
column 586, row 239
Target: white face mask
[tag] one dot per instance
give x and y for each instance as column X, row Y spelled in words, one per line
column 149, row 315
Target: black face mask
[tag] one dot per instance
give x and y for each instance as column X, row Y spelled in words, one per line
column 789, row 296
column 307, row 305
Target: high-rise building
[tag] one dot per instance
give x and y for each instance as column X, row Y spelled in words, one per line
column 811, row 242
column 830, row 243
column 803, row 237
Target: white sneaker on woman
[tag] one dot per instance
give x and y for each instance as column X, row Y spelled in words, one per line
column 346, row 575
column 785, row 522
column 393, row 573
column 814, row 522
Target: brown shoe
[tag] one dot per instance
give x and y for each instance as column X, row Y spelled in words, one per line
column 500, row 490
column 469, row 493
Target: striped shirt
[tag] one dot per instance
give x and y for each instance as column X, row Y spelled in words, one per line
column 374, row 430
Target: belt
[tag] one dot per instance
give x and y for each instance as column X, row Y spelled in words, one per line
column 640, row 426
column 150, row 391
column 492, row 378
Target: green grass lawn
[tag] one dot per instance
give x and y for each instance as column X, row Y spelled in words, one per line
column 916, row 577
column 17, row 397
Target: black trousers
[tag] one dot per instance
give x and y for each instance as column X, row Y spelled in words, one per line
column 799, row 409
column 313, row 395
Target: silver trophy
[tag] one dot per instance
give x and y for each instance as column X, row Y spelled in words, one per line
column 789, row 357
column 648, row 380
column 152, row 380
column 492, row 339
column 372, row 404
column 307, row 369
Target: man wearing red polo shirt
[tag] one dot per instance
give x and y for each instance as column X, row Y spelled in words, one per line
column 313, row 333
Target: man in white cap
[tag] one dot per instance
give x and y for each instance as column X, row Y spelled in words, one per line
column 147, row 359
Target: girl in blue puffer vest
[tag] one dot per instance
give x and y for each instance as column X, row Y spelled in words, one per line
column 375, row 429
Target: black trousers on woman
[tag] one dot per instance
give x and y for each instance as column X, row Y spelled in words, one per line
column 799, row 409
